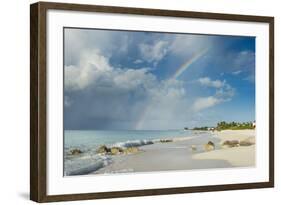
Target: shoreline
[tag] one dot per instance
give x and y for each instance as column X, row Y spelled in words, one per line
column 185, row 153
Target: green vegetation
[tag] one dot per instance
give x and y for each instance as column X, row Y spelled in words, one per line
column 201, row 128
column 234, row 126
column 228, row 126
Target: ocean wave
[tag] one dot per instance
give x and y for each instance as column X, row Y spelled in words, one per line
column 85, row 164
column 134, row 143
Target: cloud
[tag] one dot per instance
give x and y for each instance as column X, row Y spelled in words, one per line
column 95, row 70
column 138, row 61
column 188, row 45
column 205, row 81
column 103, row 96
column 244, row 60
column 226, row 61
column 153, row 53
column 77, row 41
column 145, row 47
column 251, row 78
column 205, row 102
column 223, row 93
column 91, row 66
column 241, row 62
column 106, row 86
column 226, row 92
column 236, row 72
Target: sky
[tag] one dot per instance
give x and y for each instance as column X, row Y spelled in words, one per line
column 135, row 80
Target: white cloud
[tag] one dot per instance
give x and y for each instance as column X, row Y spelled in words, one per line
column 121, row 95
column 138, row 61
column 130, row 79
column 205, row 102
column 226, row 92
column 110, row 95
column 95, row 69
column 211, row 83
column 223, row 93
column 153, row 53
column 92, row 64
column 236, row 72
column 78, row 41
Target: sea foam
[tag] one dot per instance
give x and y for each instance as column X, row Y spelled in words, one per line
column 133, row 143
column 85, row 164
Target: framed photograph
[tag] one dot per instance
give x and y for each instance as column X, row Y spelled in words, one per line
column 135, row 102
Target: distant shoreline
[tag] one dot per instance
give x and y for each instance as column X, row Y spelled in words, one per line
column 228, row 126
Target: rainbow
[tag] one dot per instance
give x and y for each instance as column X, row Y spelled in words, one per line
column 179, row 71
column 140, row 121
column 188, row 63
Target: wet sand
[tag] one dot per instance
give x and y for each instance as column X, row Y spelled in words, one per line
column 177, row 155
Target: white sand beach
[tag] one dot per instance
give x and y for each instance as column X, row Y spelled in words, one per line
column 242, row 156
column 188, row 153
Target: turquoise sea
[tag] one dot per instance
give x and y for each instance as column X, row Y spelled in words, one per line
column 89, row 140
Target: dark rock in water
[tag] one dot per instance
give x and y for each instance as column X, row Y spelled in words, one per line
column 246, row 143
column 166, row 140
column 103, row 149
column 209, row 146
column 231, row 143
column 116, row 150
column 75, row 152
column 211, row 143
column 131, row 150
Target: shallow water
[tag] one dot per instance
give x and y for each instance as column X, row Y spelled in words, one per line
column 94, row 138
column 89, row 140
